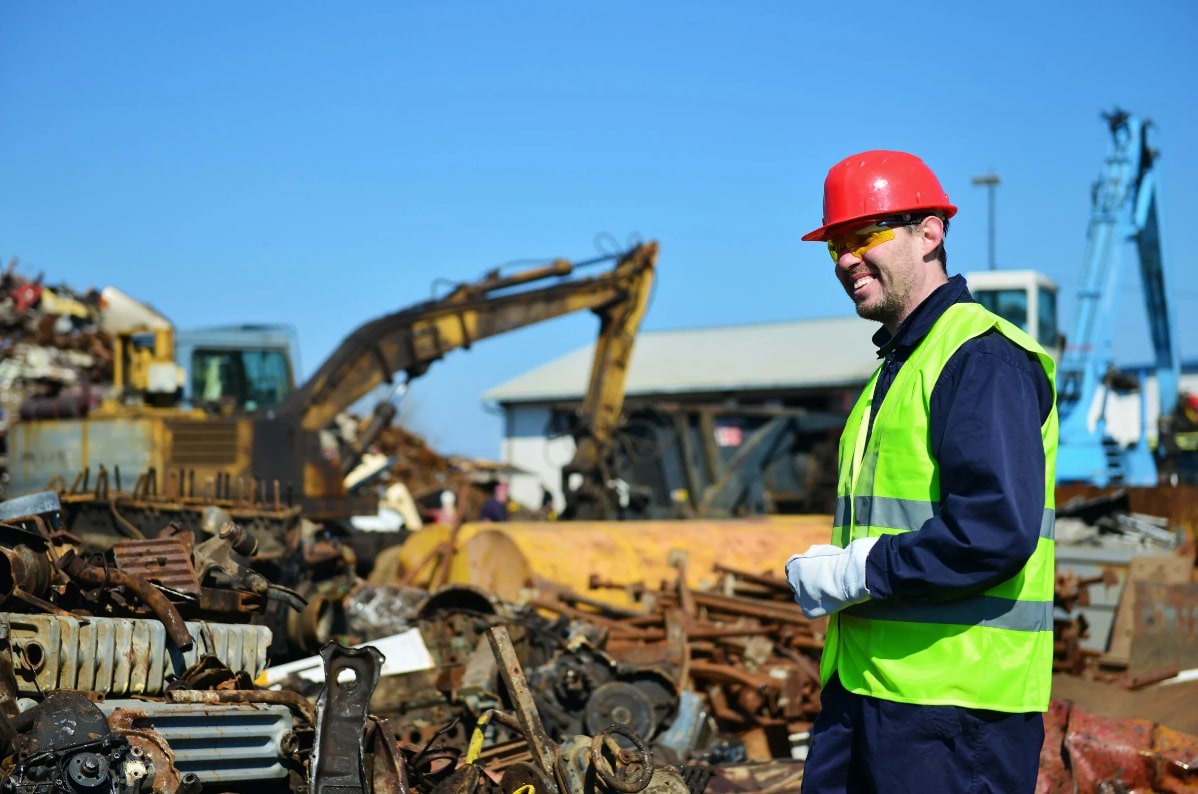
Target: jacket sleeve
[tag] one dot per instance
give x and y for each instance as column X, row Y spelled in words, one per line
column 987, row 409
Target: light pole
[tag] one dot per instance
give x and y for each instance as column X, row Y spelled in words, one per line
column 990, row 181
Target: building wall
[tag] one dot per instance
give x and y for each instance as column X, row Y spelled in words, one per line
column 526, row 446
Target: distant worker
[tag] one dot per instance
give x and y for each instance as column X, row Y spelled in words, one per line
column 496, row 507
column 937, row 662
column 447, row 515
column 547, row 510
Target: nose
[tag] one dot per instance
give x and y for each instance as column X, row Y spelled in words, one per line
column 848, row 260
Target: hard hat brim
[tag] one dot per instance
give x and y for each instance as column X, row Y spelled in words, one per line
column 945, row 211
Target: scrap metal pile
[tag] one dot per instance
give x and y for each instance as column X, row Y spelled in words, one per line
column 145, row 665
column 51, row 345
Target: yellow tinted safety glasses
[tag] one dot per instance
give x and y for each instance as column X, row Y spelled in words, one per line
column 860, row 240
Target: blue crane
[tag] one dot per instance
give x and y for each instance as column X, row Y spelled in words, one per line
column 1125, row 211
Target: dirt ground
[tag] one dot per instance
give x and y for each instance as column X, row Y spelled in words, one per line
column 1171, row 705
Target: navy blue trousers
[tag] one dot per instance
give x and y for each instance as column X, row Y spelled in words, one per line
column 863, row 744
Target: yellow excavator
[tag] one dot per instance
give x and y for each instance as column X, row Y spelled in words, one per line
column 238, row 424
column 220, row 414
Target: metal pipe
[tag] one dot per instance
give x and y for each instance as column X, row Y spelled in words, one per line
column 77, row 568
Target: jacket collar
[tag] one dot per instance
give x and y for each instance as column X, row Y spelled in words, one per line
column 913, row 329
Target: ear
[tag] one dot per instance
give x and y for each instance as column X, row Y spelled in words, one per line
column 931, row 235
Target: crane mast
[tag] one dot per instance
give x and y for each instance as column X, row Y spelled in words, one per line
column 1125, row 211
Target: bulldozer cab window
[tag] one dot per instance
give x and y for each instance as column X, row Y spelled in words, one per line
column 247, row 380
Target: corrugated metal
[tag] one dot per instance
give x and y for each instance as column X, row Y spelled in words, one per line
column 809, row 353
column 163, row 560
column 221, row 743
column 121, row 656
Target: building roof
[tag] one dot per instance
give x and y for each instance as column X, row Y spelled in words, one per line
column 802, row 354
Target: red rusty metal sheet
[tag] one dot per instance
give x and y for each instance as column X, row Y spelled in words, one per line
column 1103, row 750
column 1087, row 752
column 162, row 560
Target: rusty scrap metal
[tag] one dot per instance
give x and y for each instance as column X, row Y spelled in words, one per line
column 79, row 570
column 544, row 752
column 166, row 561
column 338, row 758
column 1087, row 752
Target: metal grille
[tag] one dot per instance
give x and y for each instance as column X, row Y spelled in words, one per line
column 219, row 743
column 209, row 443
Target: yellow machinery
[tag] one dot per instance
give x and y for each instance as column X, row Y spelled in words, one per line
column 508, row 558
column 238, row 449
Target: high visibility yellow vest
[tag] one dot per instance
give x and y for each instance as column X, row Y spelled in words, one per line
column 992, row 650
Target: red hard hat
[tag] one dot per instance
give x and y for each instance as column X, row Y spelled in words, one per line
column 876, row 183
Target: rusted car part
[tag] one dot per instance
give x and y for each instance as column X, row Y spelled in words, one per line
column 120, row 657
column 226, row 575
column 64, row 744
column 264, row 576
column 744, row 644
column 224, row 560
column 89, row 576
column 1086, row 752
column 452, row 622
column 168, row 578
column 217, row 744
column 35, row 572
column 69, row 743
column 103, row 512
column 584, row 691
column 581, row 764
column 27, row 564
column 337, row 765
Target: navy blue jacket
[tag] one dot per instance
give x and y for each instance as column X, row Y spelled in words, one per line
column 986, row 411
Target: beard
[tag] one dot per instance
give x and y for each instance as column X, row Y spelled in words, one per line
column 886, row 308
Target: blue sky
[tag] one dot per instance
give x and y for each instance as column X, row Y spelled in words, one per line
column 324, row 163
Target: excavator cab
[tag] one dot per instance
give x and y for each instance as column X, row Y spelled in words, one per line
column 238, row 369
column 1026, row 298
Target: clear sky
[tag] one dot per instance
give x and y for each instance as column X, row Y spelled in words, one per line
column 323, row 163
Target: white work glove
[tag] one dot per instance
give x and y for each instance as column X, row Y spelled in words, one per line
column 827, row 579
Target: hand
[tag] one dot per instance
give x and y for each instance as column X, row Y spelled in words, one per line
column 826, row 579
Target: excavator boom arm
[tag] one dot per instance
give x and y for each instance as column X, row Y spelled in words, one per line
column 410, row 340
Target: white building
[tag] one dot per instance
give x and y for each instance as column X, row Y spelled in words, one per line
column 813, row 364
column 818, row 365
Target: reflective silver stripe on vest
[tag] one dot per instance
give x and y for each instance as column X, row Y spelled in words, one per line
column 908, row 514
column 983, row 610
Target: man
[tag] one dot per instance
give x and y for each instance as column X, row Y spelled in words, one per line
column 939, row 580
column 495, row 508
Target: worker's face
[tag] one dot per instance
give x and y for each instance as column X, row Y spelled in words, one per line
column 887, row 267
